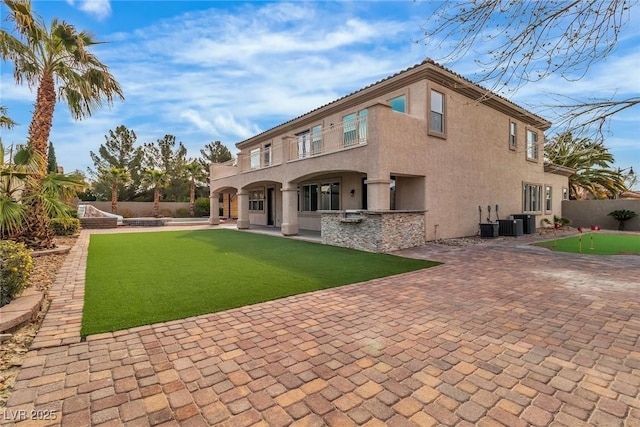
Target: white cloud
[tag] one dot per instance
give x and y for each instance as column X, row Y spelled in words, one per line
column 99, row 8
column 229, row 72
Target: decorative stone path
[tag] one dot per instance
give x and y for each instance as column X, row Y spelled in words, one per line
column 501, row 334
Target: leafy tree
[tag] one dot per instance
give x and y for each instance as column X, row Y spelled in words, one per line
column 196, row 174
column 115, row 177
column 591, row 160
column 118, row 151
column 156, row 180
column 214, row 152
column 45, row 57
column 52, row 163
column 523, row 41
column 171, row 159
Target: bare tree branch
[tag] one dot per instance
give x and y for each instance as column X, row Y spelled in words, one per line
column 517, row 42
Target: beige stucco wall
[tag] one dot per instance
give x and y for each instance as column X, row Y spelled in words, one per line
column 141, row 209
column 448, row 177
column 584, row 213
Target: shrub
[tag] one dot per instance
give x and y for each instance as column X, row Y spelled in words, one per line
column 126, row 213
column 622, row 215
column 558, row 222
column 202, row 206
column 165, row 212
column 182, row 213
column 15, row 266
column 65, row 226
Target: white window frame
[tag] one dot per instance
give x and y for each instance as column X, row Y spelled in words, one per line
column 304, row 144
column 548, row 198
column 354, row 128
column 307, row 202
column 437, row 110
column 256, row 200
column 266, row 155
column 327, row 188
column 513, row 135
column 254, row 158
column 532, row 145
column 532, row 197
column 316, row 139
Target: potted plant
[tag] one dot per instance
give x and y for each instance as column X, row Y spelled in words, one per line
column 558, row 222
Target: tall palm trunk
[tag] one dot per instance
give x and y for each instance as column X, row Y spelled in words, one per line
column 192, row 198
column 114, row 198
column 156, row 200
column 40, row 127
column 37, row 233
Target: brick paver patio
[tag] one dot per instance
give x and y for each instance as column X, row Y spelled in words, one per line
column 501, row 334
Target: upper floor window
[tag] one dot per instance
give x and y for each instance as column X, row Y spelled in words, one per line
column 354, row 128
column 254, row 158
column 316, row 139
column 532, row 145
column 512, row 135
column 267, row 155
column 304, row 144
column 436, row 122
column 532, row 198
column 398, row 104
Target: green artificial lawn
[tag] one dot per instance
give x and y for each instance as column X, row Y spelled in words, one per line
column 602, row 244
column 135, row 279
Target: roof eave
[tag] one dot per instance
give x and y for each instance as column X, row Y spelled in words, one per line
column 428, row 69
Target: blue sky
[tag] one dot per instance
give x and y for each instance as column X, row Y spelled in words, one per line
column 206, row 71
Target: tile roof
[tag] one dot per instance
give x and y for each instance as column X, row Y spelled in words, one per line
column 427, row 61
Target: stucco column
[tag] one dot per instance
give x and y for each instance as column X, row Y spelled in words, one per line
column 289, row 210
column 214, row 209
column 378, row 194
column 243, row 210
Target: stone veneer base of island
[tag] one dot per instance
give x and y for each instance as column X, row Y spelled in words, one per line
column 373, row 231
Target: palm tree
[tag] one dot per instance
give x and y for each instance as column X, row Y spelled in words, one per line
column 115, row 177
column 44, row 57
column 155, row 179
column 195, row 173
column 591, row 160
column 18, row 170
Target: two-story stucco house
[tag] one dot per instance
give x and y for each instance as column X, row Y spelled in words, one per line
column 408, row 159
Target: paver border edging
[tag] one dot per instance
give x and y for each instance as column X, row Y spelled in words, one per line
column 63, row 320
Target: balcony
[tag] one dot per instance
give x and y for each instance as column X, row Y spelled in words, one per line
column 338, row 137
column 304, row 145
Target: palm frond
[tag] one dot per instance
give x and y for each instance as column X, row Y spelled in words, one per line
column 12, row 216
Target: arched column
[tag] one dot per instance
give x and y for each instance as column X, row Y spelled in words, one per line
column 378, row 194
column 214, row 208
column 289, row 209
column 243, row 210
